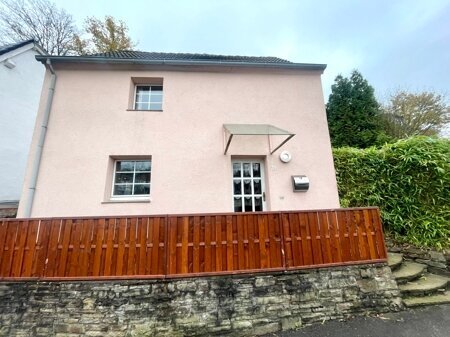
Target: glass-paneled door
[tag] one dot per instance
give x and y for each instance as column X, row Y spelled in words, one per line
column 248, row 186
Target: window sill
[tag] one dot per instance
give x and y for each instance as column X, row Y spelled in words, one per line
column 118, row 201
column 144, row 110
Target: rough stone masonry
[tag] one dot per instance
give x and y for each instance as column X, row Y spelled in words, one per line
column 243, row 305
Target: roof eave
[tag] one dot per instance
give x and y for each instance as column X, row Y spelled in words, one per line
column 104, row 60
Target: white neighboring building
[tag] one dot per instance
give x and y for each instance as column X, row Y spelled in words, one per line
column 21, row 79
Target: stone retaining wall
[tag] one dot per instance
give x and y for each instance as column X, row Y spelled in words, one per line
column 8, row 212
column 437, row 261
column 209, row 306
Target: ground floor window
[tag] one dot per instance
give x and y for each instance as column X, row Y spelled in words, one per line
column 132, row 178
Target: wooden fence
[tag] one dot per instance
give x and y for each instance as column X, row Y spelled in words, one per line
column 187, row 245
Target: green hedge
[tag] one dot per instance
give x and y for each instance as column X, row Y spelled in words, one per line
column 409, row 180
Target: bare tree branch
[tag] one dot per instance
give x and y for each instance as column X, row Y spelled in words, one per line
column 51, row 27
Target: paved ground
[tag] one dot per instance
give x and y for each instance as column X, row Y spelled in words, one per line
column 433, row 321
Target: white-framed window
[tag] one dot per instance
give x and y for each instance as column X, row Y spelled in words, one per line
column 248, row 185
column 131, row 178
column 148, row 97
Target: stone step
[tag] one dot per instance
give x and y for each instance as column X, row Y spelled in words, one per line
column 409, row 271
column 395, row 260
column 411, row 302
column 427, row 284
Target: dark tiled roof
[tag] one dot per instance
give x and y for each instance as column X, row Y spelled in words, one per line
column 153, row 56
column 9, row 47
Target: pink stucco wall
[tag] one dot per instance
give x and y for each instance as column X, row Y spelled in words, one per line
column 90, row 122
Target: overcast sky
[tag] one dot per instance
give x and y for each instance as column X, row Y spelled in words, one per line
column 396, row 44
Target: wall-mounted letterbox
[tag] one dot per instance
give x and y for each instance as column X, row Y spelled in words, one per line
column 300, row 183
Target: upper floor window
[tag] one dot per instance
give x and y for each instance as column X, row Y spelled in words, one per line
column 148, row 97
column 131, row 178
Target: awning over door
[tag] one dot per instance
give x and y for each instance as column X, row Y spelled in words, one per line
column 255, row 130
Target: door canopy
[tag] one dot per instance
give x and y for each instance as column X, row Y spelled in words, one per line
column 255, row 130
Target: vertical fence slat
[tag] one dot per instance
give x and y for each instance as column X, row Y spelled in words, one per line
column 196, row 245
column 376, row 220
column 370, row 238
column 208, row 249
column 19, row 248
column 325, row 237
column 306, row 244
column 131, row 261
column 313, row 225
column 99, row 237
column 8, row 253
column 362, row 242
column 343, row 236
column 121, row 246
column 50, row 269
column 156, row 251
column 229, row 244
column 272, row 230
column 85, row 250
column 109, row 246
column 334, row 235
column 242, row 263
column 75, row 240
column 41, row 249
column 31, row 248
column 3, row 235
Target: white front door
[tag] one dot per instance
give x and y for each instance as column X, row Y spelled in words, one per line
column 248, row 186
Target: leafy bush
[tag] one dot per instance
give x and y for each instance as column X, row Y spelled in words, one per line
column 409, row 180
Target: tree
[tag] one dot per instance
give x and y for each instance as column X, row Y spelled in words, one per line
column 41, row 20
column 103, row 36
column 409, row 114
column 353, row 112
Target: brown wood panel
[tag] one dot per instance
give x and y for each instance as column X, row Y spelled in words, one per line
column 325, row 237
column 8, row 254
column 370, row 237
column 250, row 225
column 30, row 248
column 121, row 247
column 229, row 244
column 219, row 250
column 344, row 236
column 53, row 249
column 196, row 245
column 111, row 227
column 263, row 256
column 86, row 246
column 3, row 235
column 334, row 235
column 307, row 252
column 74, row 249
column 41, row 248
column 172, row 263
column 381, row 247
column 188, row 245
column 99, row 239
column 315, row 238
column 242, row 261
column 19, row 249
column 362, row 239
column 208, row 248
column 132, row 240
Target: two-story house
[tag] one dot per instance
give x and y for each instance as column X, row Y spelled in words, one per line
column 21, row 79
column 126, row 133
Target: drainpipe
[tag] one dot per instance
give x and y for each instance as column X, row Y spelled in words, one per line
column 40, row 146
